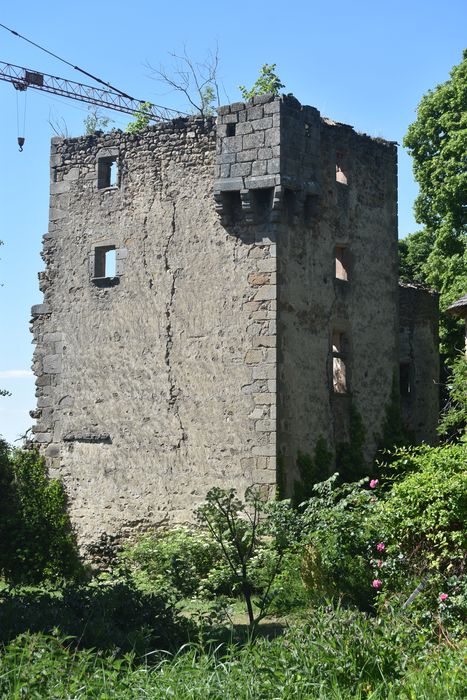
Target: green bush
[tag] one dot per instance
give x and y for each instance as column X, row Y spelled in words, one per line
column 423, row 515
column 337, row 546
column 110, row 615
column 180, row 561
column 36, row 538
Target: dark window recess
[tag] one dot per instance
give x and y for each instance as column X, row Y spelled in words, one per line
column 232, row 205
column 105, row 262
column 341, row 263
column 261, row 203
column 230, row 129
column 339, row 363
column 341, row 168
column 107, row 172
column 404, row 379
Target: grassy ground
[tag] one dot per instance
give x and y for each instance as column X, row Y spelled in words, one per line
column 331, row 653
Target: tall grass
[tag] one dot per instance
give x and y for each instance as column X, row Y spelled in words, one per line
column 338, row 654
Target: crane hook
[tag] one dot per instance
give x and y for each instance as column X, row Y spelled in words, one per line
column 21, row 143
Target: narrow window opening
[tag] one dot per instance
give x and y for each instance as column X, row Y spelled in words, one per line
column 232, row 205
column 105, row 262
column 231, row 129
column 404, row 379
column 107, row 172
column 261, row 201
column 339, row 365
column 341, row 263
column 341, row 169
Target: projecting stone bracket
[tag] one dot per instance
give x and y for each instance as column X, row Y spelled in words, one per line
column 88, row 437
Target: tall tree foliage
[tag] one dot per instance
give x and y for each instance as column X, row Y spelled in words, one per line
column 437, row 142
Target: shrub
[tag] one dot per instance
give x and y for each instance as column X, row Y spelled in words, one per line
column 36, row 537
column 179, row 561
column 423, row 515
column 110, row 615
column 336, row 550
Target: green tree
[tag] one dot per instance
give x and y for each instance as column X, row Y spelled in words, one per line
column 142, row 119
column 437, row 142
column 96, row 121
column 268, row 81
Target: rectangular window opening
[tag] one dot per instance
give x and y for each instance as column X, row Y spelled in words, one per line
column 339, row 367
column 107, row 172
column 230, row 129
column 341, row 263
column 311, row 207
column 105, row 262
column 341, row 168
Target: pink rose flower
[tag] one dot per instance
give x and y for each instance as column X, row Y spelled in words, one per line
column 377, row 583
column 379, row 563
column 442, row 597
column 380, row 547
column 374, row 483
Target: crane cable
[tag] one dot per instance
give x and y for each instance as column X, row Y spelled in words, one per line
column 22, row 138
column 84, row 72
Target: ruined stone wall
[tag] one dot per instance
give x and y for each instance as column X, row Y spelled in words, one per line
column 153, row 380
column 419, row 361
column 209, row 349
column 341, row 191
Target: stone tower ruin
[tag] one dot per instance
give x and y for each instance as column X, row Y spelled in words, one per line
column 216, row 295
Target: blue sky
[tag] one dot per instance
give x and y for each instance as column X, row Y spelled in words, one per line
column 362, row 63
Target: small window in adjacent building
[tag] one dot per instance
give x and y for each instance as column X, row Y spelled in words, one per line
column 290, row 205
column 341, row 168
column 340, row 253
column 105, row 261
column 404, row 379
column 230, row 130
column 107, row 172
column 339, row 369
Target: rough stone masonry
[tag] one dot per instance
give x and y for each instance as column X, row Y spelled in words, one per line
column 216, row 294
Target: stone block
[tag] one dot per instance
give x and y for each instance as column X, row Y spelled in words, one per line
column 260, row 167
column 267, row 291
column 260, row 124
column 265, row 398
column 244, row 128
column 39, row 309
column 264, row 371
column 272, row 137
column 265, row 425
column 253, row 356
column 272, row 107
column 253, row 140
column 264, row 341
column 274, row 165
column 228, row 184
column 264, row 450
column 255, row 112
column 260, row 182
column 52, row 364
column 226, row 158
column 249, row 155
column 240, row 169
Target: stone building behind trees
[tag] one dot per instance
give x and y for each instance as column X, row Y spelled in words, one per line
column 217, row 295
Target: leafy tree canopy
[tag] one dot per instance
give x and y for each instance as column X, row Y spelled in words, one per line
column 268, row 81
column 437, row 142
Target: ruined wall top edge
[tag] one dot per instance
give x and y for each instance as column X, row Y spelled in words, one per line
column 287, row 103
